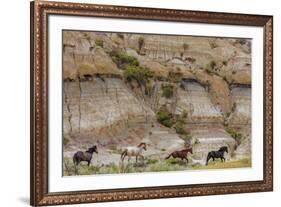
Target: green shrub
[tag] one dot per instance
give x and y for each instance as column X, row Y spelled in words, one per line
column 184, row 114
column 151, row 161
column 187, row 137
column 141, row 43
column 99, row 42
column 213, row 64
column 149, row 89
column 65, row 140
column 120, row 35
column 179, row 127
column 165, row 118
column 168, row 91
column 233, row 133
column 191, row 59
column 168, row 122
column 224, row 63
column 233, row 108
column 175, row 76
column 213, row 44
column 185, row 46
column 208, row 70
column 140, row 74
column 211, row 67
column 123, row 60
column 241, row 41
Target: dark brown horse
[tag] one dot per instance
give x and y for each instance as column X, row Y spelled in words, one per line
column 84, row 156
column 180, row 154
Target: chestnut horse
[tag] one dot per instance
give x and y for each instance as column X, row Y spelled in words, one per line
column 181, row 154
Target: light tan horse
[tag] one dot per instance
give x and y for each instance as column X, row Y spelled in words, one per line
column 134, row 151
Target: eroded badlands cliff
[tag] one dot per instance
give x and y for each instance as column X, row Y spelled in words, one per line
column 169, row 91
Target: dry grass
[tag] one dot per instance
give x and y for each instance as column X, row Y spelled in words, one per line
column 151, row 165
column 245, row 162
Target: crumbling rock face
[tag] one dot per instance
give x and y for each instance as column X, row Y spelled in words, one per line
column 83, row 57
column 241, row 98
column 208, row 75
column 93, row 105
column 218, row 90
column 196, row 100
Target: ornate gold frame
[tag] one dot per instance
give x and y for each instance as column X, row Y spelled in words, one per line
column 40, row 10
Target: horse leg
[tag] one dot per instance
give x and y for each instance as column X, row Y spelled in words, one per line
column 89, row 162
column 142, row 157
column 208, row 158
column 129, row 158
column 123, row 155
column 78, row 162
column 186, row 159
column 137, row 159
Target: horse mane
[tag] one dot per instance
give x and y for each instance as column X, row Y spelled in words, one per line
column 187, row 149
column 90, row 150
column 141, row 144
column 222, row 148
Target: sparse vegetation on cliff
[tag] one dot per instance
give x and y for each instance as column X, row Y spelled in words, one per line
column 167, row 91
column 65, row 140
column 120, row 35
column 123, row 60
column 140, row 43
column 213, row 44
column 140, row 74
column 175, row 76
column 185, row 46
column 165, row 117
column 234, row 134
column 99, row 42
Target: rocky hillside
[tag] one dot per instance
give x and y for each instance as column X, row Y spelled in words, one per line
column 168, row 91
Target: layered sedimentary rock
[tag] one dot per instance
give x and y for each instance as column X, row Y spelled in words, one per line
column 195, row 99
column 101, row 103
column 241, row 98
column 211, row 80
column 204, row 119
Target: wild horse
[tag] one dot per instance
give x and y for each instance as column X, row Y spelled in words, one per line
column 133, row 151
column 217, row 154
column 84, row 156
column 180, row 154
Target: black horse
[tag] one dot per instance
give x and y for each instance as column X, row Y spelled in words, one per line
column 217, row 154
column 84, row 156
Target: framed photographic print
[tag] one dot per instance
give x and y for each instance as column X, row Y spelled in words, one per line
column 134, row 103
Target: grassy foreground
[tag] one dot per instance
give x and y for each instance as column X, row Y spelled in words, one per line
column 150, row 165
column 245, row 162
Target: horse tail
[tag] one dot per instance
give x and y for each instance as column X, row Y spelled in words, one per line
column 75, row 161
column 168, row 156
column 124, row 153
column 208, row 157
